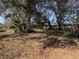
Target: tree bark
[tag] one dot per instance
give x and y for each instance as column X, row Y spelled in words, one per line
column 61, row 8
column 59, row 22
column 49, row 24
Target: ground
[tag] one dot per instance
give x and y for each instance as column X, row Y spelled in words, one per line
column 38, row 46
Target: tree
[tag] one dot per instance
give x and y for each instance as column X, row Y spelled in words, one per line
column 27, row 8
column 60, row 10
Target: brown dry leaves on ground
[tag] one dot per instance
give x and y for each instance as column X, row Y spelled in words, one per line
column 37, row 46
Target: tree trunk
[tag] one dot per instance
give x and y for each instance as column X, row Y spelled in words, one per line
column 59, row 22
column 49, row 24
column 29, row 26
column 61, row 8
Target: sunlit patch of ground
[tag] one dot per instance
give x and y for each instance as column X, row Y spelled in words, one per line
column 31, row 46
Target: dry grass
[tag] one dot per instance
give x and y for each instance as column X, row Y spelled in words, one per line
column 7, row 32
column 30, row 46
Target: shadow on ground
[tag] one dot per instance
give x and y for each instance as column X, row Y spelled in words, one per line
column 74, row 34
column 55, row 32
column 56, row 43
column 57, row 40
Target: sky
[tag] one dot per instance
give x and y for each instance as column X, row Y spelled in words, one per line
column 51, row 16
column 67, row 17
column 2, row 20
column 48, row 13
column 4, row 16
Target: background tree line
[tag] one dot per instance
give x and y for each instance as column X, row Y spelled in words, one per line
column 25, row 10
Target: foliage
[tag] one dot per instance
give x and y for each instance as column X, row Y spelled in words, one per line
column 28, row 9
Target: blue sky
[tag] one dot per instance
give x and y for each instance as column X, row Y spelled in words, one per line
column 68, row 17
column 46, row 12
column 3, row 16
column 51, row 16
column 2, row 20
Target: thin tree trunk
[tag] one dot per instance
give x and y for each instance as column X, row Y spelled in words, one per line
column 29, row 26
column 49, row 24
column 59, row 23
column 60, row 12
